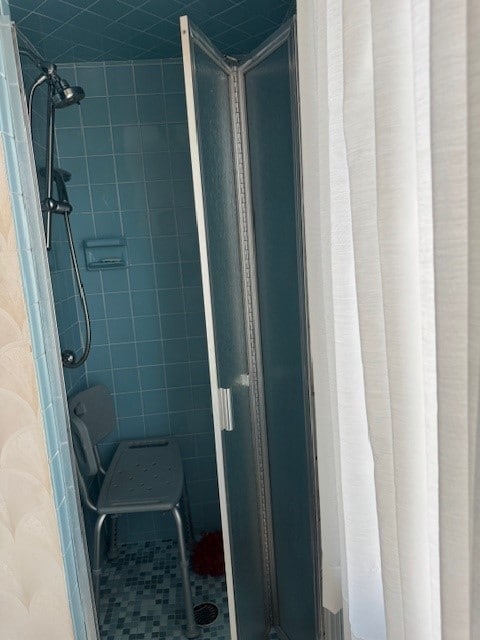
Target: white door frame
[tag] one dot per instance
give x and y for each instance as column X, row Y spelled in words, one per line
column 187, row 34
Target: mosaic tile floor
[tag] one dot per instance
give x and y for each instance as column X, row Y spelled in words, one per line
column 141, row 596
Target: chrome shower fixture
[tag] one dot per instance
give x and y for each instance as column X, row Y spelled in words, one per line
column 64, row 95
column 60, row 95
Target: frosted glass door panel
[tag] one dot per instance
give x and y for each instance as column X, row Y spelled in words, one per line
column 269, row 116
column 222, row 266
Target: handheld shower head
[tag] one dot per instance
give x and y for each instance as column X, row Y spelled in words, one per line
column 63, row 95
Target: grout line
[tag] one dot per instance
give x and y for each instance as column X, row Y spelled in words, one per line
column 148, row 211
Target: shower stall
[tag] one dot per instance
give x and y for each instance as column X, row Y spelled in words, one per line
column 183, row 219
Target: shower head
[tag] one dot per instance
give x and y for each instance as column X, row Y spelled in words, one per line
column 63, row 95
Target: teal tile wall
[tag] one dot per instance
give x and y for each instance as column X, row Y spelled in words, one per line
column 127, row 149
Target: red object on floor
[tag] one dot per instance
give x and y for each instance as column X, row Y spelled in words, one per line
column 208, row 557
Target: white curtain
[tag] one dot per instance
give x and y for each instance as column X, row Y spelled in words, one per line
column 390, row 111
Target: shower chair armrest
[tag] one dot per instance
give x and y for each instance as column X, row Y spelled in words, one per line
column 84, row 494
column 100, row 466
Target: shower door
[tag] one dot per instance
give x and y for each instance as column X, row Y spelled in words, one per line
column 244, row 144
column 208, row 84
column 268, row 113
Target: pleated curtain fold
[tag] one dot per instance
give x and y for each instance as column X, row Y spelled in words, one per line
column 390, row 111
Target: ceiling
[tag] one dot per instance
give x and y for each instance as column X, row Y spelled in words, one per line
column 94, row 30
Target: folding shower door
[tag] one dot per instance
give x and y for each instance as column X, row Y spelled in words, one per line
column 267, row 87
column 207, row 84
column 257, row 372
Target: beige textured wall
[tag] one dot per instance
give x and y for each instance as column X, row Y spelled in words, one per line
column 33, row 593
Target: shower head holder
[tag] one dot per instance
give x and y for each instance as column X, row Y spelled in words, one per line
column 50, row 205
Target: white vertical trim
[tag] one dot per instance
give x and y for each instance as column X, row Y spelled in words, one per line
column 312, row 73
column 188, row 67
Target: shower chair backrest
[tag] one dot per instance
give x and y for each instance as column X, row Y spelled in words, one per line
column 92, row 416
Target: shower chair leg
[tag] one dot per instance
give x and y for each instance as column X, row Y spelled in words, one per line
column 188, row 518
column 192, row 629
column 113, row 543
column 97, row 559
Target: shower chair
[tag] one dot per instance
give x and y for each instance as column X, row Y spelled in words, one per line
column 143, row 476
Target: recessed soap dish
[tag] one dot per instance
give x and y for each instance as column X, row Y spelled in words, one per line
column 105, row 253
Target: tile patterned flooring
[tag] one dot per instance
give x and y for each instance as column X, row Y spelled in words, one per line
column 141, row 596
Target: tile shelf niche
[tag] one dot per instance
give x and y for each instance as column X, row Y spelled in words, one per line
column 105, row 253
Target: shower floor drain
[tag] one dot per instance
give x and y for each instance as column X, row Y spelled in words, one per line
column 205, row 613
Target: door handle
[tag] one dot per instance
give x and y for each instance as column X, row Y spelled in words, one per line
column 226, row 409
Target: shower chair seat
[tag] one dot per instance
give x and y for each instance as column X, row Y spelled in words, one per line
column 143, row 476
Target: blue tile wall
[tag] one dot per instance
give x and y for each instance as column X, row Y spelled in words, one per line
column 126, row 146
